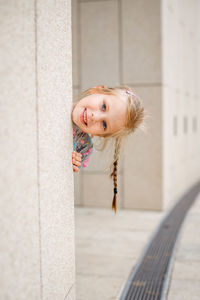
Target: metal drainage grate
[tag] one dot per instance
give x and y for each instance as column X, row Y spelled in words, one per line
column 149, row 279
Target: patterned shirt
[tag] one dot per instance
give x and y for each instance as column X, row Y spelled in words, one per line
column 82, row 143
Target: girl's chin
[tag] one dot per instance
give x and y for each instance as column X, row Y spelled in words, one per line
column 83, row 127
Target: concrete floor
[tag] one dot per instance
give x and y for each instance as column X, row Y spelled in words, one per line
column 185, row 277
column 108, row 246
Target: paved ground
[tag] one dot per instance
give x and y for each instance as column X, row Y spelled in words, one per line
column 108, row 246
column 185, row 277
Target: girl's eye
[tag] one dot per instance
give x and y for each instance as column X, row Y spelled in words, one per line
column 104, row 125
column 104, row 106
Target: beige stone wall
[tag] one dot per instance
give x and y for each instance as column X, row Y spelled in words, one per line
column 142, row 44
column 37, row 193
column 181, row 96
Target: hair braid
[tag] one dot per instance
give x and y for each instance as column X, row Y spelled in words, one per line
column 114, row 175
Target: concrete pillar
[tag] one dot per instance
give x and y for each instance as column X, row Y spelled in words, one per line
column 37, row 202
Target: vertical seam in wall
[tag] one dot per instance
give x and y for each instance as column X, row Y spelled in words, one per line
column 163, row 183
column 79, row 44
column 37, row 146
column 121, row 82
column 80, row 85
column 120, row 42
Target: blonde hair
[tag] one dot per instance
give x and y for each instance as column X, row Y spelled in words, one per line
column 135, row 117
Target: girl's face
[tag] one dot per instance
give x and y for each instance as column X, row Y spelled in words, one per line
column 100, row 114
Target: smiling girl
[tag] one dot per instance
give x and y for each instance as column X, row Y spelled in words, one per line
column 109, row 113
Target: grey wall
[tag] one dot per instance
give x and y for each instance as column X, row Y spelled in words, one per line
column 145, row 45
column 37, row 202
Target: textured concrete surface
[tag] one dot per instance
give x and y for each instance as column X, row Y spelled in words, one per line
column 107, row 247
column 37, row 193
column 185, row 277
column 19, row 218
column 55, row 146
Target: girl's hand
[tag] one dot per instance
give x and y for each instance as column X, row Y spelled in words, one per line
column 76, row 161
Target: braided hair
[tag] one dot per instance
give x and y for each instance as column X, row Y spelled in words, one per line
column 114, row 176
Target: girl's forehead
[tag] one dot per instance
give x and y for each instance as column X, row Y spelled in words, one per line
column 117, row 99
column 117, row 113
column 117, row 103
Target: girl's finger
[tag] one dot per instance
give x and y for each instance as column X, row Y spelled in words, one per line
column 77, row 153
column 75, row 162
column 78, row 158
column 75, row 169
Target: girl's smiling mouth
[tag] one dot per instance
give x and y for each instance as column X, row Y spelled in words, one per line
column 83, row 117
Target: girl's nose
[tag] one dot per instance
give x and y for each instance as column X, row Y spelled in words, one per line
column 97, row 116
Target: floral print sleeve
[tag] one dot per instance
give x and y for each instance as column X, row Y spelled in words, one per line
column 82, row 143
